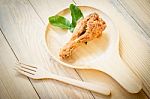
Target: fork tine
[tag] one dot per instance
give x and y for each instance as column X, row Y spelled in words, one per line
column 26, row 70
column 24, row 73
column 27, row 67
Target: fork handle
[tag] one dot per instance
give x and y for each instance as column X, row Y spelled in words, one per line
column 100, row 88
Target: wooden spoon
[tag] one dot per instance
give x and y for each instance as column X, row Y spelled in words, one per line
column 101, row 54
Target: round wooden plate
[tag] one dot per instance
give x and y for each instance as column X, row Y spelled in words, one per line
column 86, row 55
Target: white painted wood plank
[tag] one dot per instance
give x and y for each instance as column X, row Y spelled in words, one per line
column 44, row 12
column 134, row 48
column 12, row 84
column 140, row 11
column 49, row 7
column 24, row 30
column 130, row 20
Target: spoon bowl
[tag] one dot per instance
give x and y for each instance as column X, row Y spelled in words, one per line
column 101, row 54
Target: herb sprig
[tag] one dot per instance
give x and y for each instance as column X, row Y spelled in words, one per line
column 64, row 23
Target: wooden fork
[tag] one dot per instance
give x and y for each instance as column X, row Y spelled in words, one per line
column 40, row 73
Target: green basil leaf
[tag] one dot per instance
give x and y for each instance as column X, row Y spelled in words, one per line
column 60, row 21
column 75, row 13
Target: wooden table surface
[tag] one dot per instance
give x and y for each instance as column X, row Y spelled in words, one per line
column 22, row 24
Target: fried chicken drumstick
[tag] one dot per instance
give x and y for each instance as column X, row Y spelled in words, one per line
column 86, row 30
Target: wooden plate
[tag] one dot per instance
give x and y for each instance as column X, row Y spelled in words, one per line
column 101, row 54
column 84, row 55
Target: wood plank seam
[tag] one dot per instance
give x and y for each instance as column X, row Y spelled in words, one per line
column 18, row 54
column 83, row 80
column 34, row 88
column 145, row 89
column 145, row 33
column 44, row 24
column 145, row 92
column 35, row 11
column 9, row 45
column 125, row 14
column 74, row 1
column 15, row 46
column 140, row 30
column 76, row 70
column 18, row 60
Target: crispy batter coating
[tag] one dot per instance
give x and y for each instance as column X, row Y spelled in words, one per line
column 86, row 30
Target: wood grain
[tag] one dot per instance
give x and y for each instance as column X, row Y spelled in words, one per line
column 131, row 20
column 98, row 54
column 12, row 84
column 89, row 75
column 24, row 29
column 139, row 11
column 22, row 22
column 134, row 48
